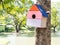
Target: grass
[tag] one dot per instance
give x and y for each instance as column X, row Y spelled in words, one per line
column 27, row 33
column 3, row 35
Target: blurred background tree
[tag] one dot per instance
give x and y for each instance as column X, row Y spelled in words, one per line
column 55, row 19
column 15, row 12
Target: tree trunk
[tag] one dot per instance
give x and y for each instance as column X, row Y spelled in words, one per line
column 54, row 29
column 17, row 28
column 43, row 35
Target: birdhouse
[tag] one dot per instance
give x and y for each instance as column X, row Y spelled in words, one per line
column 37, row 16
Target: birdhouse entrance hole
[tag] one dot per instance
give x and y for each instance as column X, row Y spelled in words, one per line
column 33, row 16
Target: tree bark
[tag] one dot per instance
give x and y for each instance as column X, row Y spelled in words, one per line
column 17, row 28
column 43, row 35
column 54, row 29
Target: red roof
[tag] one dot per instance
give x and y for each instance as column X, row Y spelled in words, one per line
column 34, row 8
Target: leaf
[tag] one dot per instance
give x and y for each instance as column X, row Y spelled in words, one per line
column 1, row 7
column 8, row 1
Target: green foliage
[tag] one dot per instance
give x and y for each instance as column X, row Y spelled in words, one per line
column 2, row 28
column 14, row 11
column 2, row 19
column 54, row 17
column 8, row 29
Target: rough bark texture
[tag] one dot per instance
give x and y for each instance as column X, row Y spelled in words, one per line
column 43, row 35
column 17, row 28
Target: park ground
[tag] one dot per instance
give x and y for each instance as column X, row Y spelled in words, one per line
column 17, row 39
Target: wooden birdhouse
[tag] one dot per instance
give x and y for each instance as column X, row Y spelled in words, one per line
column 37, row 16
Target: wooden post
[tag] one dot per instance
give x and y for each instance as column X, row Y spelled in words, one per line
column 43, row 35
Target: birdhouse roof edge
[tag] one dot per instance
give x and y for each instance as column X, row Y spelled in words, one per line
column 42, row 10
